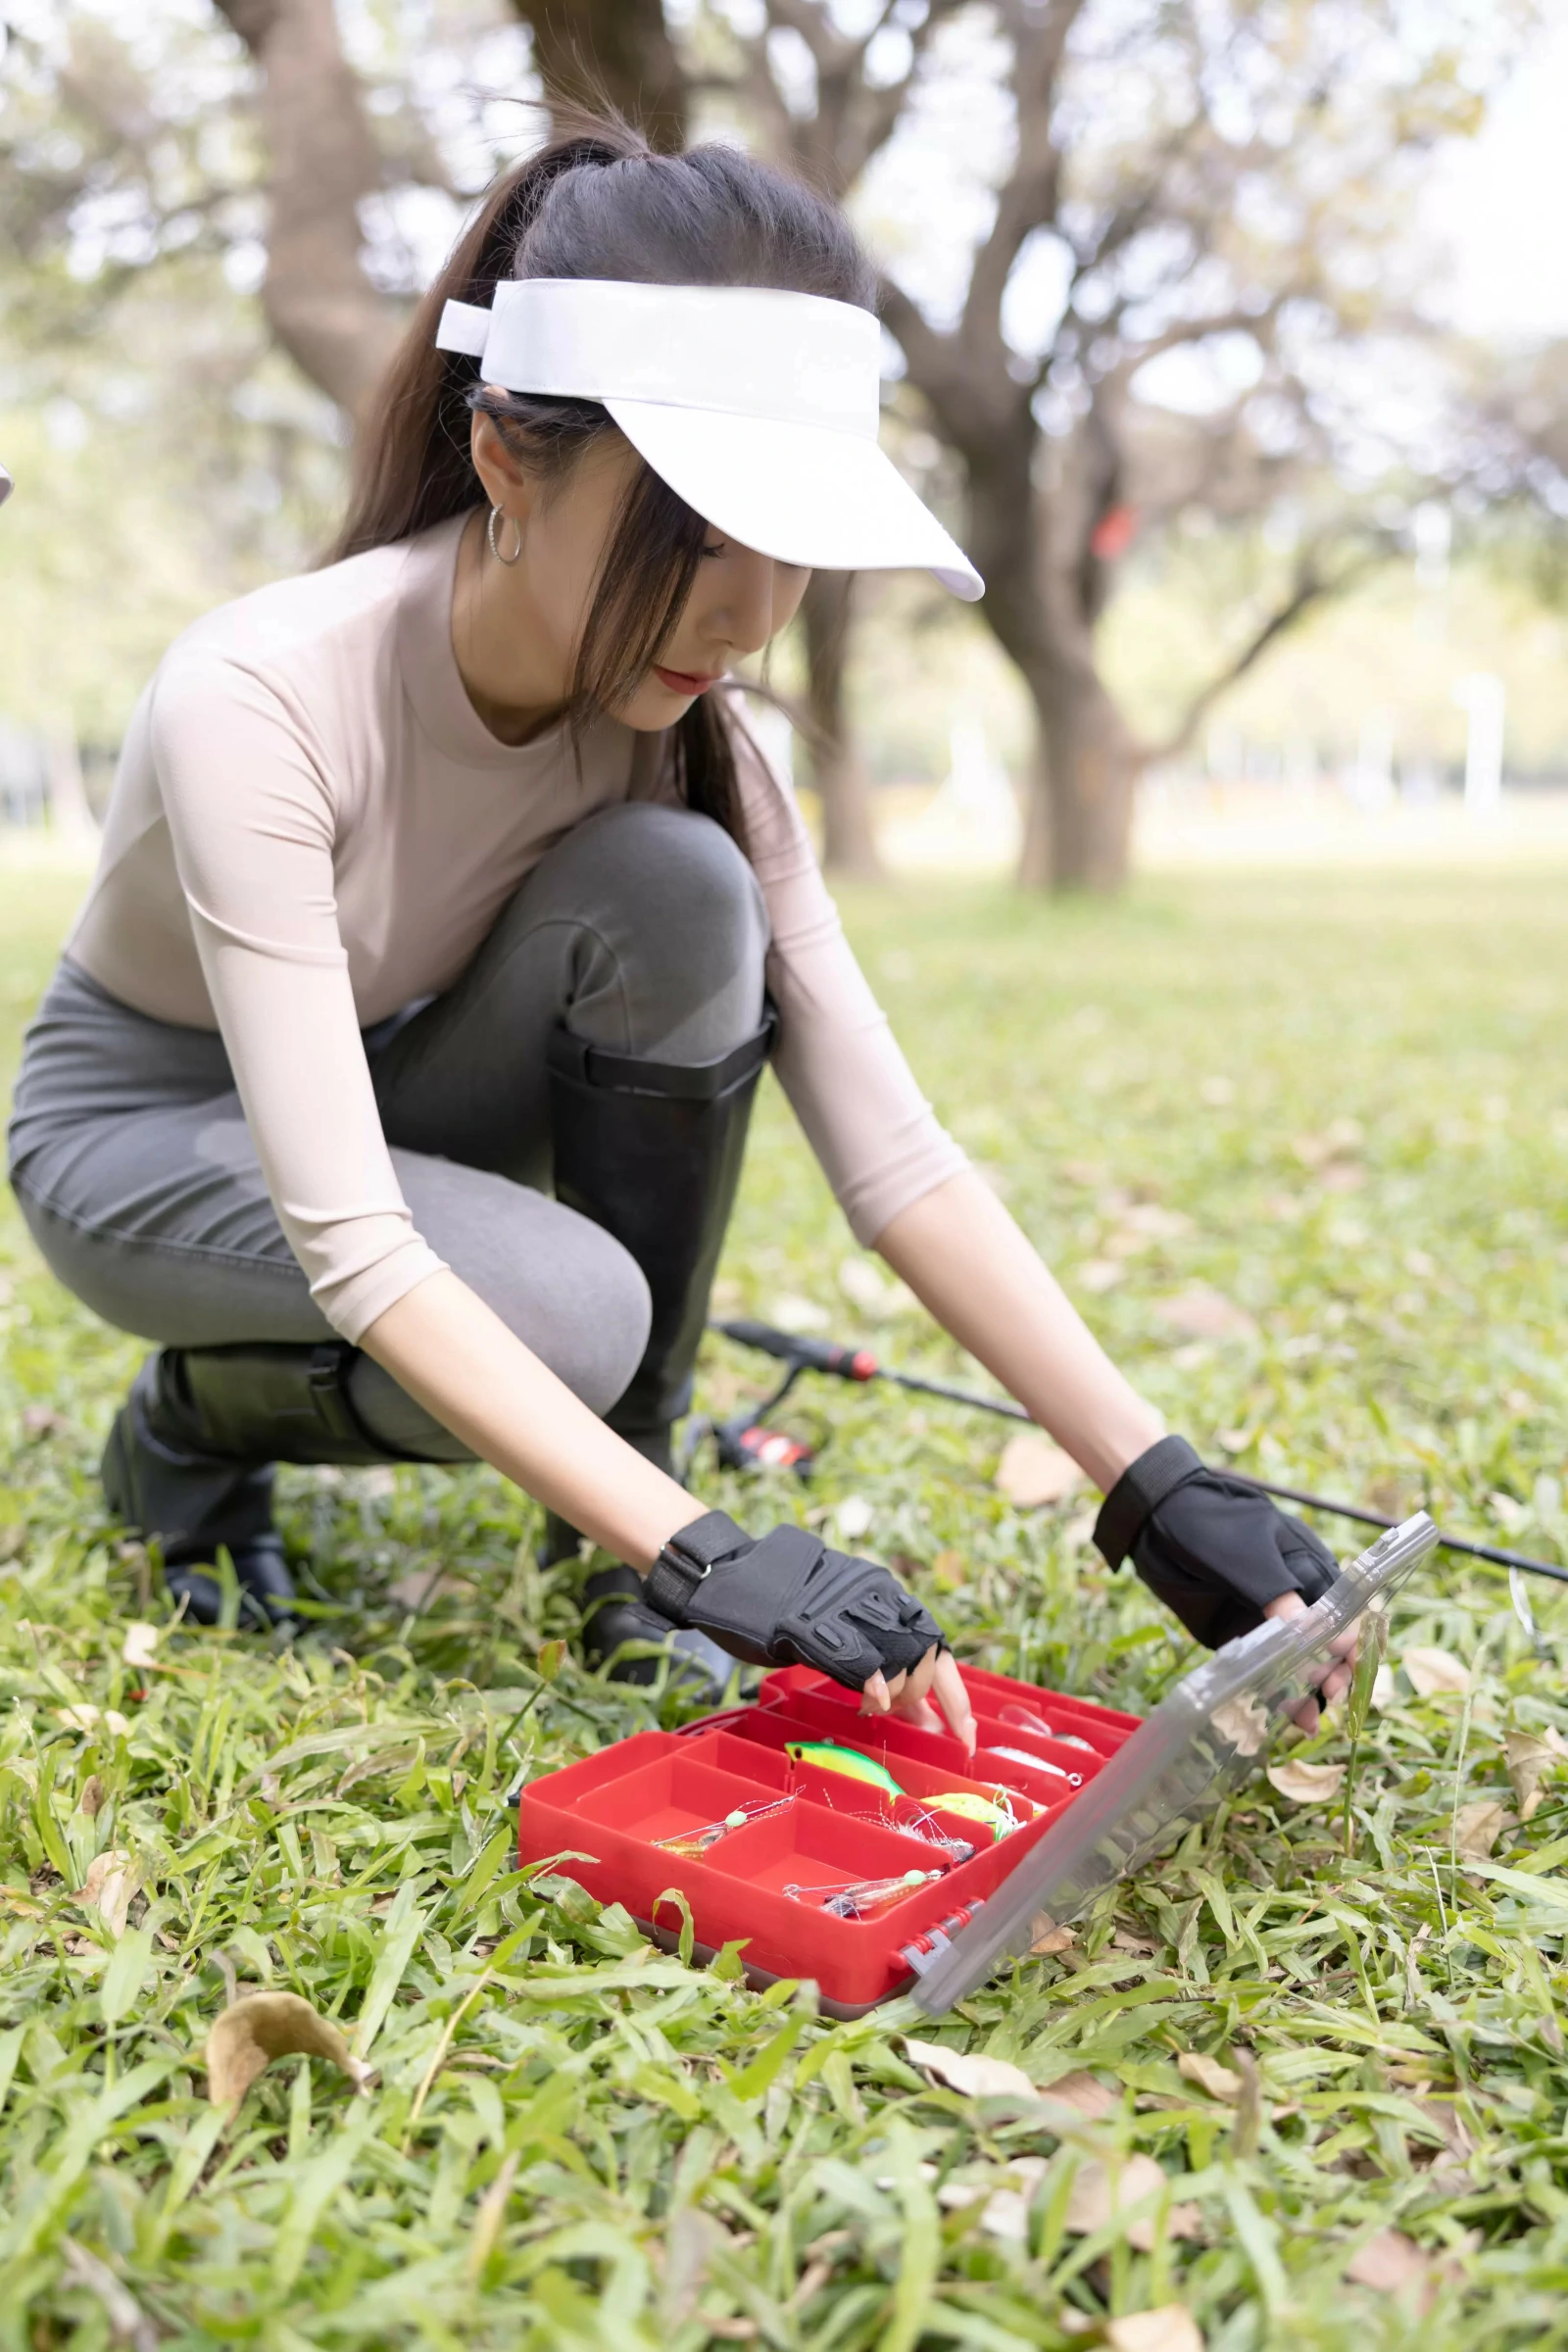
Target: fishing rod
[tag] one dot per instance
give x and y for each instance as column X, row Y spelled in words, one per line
column 745, row 1443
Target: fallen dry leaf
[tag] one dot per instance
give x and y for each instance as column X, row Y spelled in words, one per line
column 1170, row 2328
column 1308, row 1783
column 111, row 1880
column 974, row 2075
column 1052, row 1940
column 1530, row 1759
column 92, row 1800
column 1101, row 2193
column 1201, row 1313
column 1390, row 2262
column 1083, row 2094
column 261, row 2027
column 1157, row 1224
column 1430, row 1671
column 1478, row 1827
column 1244, row 1722
column 140, row 1644
column 86, row 1718
column 1220, row 2082
column 1033, row 1471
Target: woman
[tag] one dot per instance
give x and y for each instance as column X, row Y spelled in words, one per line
column 447, row 875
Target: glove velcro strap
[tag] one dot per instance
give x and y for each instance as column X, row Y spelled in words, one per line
column 686, row 1559
column 1139, row 1491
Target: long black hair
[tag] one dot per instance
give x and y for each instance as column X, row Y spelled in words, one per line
column 597, row 203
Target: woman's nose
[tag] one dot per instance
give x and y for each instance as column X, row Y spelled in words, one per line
column 742, row 617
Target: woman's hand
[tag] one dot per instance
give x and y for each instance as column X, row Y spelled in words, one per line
column 1215, row 1550
column 788, row 1599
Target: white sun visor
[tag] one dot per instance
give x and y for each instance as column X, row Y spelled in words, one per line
column 759, row 409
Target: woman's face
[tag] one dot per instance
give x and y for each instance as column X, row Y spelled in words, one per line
column 738, row 601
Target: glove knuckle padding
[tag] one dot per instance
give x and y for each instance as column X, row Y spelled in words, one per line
column 788, row 1599
column 1217, row 1552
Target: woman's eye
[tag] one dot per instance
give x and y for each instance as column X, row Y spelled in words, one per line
column 722, row 548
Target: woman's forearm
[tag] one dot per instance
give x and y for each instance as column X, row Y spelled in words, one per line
column 443, row 1344
column 967, row 1262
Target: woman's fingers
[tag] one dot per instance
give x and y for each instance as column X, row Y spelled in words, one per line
column 910, row 1695
column 947, row 1688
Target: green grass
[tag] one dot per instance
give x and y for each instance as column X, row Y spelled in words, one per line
column 618, row 2152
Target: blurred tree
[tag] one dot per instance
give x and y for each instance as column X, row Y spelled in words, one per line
column 322, row 164
column 590, row 51
column 1195, row 210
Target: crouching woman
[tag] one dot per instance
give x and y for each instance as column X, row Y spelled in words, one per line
column 396, row 1076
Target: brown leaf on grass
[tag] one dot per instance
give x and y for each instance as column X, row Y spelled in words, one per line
column 1033, row 1471
column 1220, row 2082
column 1431, row 1671
column 1170, row 2328
column 971, row 2074
column 112, row 1881
column 1391, row 2263
column 261, row 2027
column 85, row 1717
column 1081, row 2092
column 1101, row 2193
column 1201, row 1313
column 1308, row 1783
column 1530, row 1758
column 1478, row 1827
column 1050, row 1938
column 140, row 1644
column 90, row 1803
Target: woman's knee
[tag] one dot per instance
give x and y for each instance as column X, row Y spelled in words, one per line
column 691, row 924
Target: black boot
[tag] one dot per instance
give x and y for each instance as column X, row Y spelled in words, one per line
column 652, row 1152
column 189, row 1461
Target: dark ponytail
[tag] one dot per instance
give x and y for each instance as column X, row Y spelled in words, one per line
column 597, row 203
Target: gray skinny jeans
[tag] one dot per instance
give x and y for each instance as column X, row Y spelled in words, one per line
column 644, row 930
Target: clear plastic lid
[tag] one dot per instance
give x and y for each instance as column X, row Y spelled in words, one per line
column 1205, row 1738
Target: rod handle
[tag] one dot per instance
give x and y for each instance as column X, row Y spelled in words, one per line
column 796, row 1348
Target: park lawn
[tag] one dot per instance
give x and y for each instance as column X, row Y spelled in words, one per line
column 1302, row 1141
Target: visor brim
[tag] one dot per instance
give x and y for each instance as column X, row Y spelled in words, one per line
column 799, row 493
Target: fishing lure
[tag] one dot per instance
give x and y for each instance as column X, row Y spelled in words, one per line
column 865, row 1898
column 996, row 1813
column 1026, row 1720
column 922, row 1826
column 690, row 1844
column 828, row 1756
column 1020, row 1755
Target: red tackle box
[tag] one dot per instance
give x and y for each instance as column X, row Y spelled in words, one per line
column 836, row 1831
column 1099, row 1793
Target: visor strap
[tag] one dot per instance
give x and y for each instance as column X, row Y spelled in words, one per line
column 464, row 327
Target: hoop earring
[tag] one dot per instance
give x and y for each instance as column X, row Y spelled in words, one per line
column 499, row 514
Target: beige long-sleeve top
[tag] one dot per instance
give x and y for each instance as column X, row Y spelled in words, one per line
column 312, row 828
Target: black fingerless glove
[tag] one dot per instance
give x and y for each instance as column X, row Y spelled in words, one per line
column 1212, row 1549
column 786, row 1600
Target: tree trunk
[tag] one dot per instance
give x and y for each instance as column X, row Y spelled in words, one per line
column 1078, row 828
column 848, row 837
column 337, row 327
column 619, row 50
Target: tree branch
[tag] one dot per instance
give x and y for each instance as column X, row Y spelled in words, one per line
column 1310, row 587
column 318, row 302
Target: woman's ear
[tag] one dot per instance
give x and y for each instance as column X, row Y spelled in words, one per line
column 505, row 483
